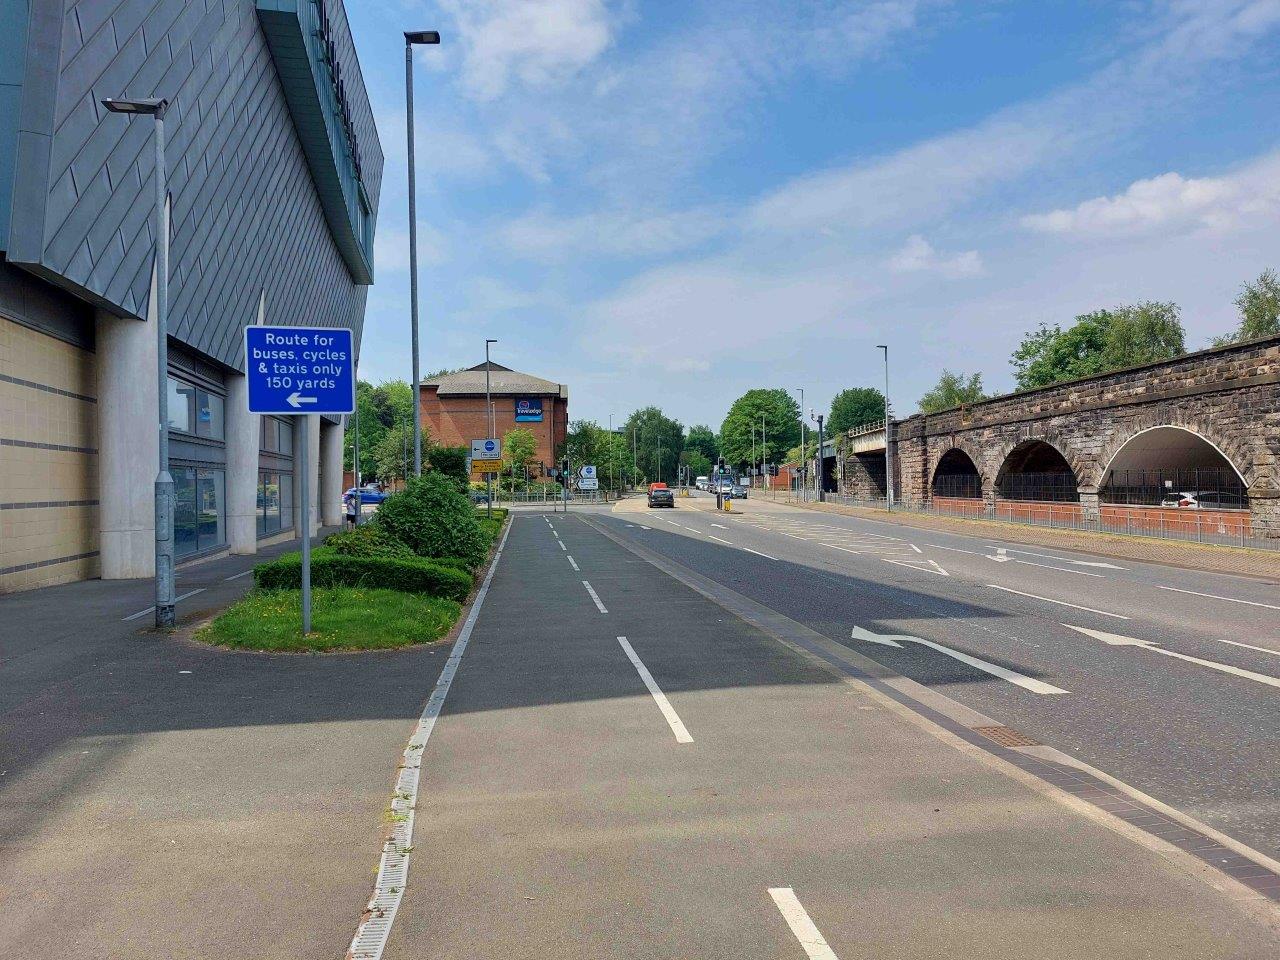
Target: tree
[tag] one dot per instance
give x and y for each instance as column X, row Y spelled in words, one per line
column 781, row 416
column 450, row 461
column 854, row 407
column 1259, row 305
column 655, row 432
column 371, row 432
column 393, row 453
column 1098, row 342
column 698, row 463
column 393, row 400
column 519, row 447
column 704, row 441
column 588, row 442
column 952, row 390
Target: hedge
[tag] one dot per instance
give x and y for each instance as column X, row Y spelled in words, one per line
column 329, row 569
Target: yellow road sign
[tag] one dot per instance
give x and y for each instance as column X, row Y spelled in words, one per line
column 486, row 466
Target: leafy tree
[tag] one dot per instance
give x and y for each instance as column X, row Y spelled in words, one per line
column 393, row 454
column 588, row 442
column 952, row 390
column 781, row 416
column 393, row 400
column 704, row 441
column 654, row 433
column 451, row 462
column 434, row 518
column 519, row 447
column 371, row 431
column 1259, row 305
column 854, row 407
column 1098, row 342
column 698, row 463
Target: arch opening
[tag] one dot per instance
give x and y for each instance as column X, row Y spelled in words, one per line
column 957, row 476
column 1173, row 467
column 1037, row 471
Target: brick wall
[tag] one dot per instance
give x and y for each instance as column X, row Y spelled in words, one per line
column 457, row 420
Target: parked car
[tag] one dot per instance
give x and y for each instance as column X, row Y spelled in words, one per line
column 661, row 496
column 739, row 492
column 1197, row 500
column 369, row 493
column 702, row 483
column 479, row 496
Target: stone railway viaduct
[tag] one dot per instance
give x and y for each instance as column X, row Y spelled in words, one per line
column 1210, row 414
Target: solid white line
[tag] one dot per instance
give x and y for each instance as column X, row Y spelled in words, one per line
column 815, row 946
column 1224, row 667
column 562, row 546
column 1049, row 566
column 845, row 549
column 181, row 596
column 237, row 576
column 1017, row 679
column 720, row 525
column 694, row 529
column 393, row 868
column 938, row 546
column 660, row 698
column 1214, row 596
column 915, row 548
column 912, row 565
column 759, row 554
column 718, row 540
column 996, row 586
column 572, row 563
column 594, row 596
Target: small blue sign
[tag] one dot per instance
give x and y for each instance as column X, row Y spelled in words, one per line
column 528, row 409
column 297, row 370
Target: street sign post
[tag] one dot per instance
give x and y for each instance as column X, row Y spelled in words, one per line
column 587, row 472
column 588, row 483
column 293, row 372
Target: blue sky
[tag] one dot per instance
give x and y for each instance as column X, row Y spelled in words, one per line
column 671, row 203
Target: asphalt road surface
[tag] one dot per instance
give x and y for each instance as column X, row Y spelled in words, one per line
column 623, row 768
column 1166, row 678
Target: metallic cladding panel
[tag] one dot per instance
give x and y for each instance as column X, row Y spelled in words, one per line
column 245, row 215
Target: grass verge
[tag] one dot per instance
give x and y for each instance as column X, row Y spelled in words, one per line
column 342, row 618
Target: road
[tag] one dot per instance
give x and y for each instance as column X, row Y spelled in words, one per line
column 618, row 766
column 1190, row 719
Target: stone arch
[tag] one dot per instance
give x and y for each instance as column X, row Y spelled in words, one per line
column 1157, row 461
column 1036, row 469
column 957, row 474
column 1083, row 466
column 1232, row 450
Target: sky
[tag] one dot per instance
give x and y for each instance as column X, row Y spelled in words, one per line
column 671, row 203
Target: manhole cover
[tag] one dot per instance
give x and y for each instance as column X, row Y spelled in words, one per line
column 1007, row 736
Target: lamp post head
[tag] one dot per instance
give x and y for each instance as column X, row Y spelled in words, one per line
column 421, row 36
column 151, row 106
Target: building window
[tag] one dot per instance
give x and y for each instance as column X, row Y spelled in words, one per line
column 200, row 511
column 195, row 411
column 277, row 436
column 275, row 502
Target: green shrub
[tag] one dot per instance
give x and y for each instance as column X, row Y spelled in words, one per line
column 435, row 519
column 368, row 540
column 330, row 569
column 451, row 462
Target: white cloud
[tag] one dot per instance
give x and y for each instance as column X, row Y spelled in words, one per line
column 1172, row 201
column 918, row 255
column 544, row 237
column 537, row 42
column 391, row 249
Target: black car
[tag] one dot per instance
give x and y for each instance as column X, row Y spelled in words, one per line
column 661, row 497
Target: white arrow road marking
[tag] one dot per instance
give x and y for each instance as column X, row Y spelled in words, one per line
column 1049, row 556
column 1118, row 641
column 932, row 568
column 1214, row 596
column 798, row 919
column 660, row 698
column 1017, row 679
column 296, row 401
column 1001, row 556
column 1063, row 603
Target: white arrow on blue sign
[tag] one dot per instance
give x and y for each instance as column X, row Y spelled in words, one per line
column 297, row 370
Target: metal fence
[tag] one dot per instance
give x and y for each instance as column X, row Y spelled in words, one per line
column 1212, row 487
column 1235, row 528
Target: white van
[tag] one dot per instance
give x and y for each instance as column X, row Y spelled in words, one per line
column 702, row 483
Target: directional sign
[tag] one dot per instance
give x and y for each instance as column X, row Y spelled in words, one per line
column 587, row 472
column 486, row 466
column 588, row 484
column 294, row 370
column 488, row 449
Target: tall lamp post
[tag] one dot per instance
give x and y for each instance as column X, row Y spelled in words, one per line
column 804, row 489
column 888, row 449
column 612, row 451
column 166, row 604
column 764, row 452
column 414, row 38
column 488, row 412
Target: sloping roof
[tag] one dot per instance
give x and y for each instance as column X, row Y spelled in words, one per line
column 503, row 381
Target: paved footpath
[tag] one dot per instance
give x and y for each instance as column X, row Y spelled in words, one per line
column 700, row 789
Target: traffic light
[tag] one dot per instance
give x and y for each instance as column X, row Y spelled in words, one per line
column 564, row 466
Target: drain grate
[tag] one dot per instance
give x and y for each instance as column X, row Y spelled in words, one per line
column 1007, row 736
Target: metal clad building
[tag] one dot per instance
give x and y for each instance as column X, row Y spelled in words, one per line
column 274, row 170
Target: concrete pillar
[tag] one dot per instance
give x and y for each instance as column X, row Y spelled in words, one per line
column 243, row 437
column 1264, row 512
column 331, row 473
column 1090, row 504
column 128, row 444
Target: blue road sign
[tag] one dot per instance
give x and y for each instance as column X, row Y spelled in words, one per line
column 295, row 370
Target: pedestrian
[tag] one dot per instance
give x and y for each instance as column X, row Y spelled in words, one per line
column 349, row 501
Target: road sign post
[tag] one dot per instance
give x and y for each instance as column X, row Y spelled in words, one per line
column 294, row 372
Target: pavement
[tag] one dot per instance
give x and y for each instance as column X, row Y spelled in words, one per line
column 650, row 741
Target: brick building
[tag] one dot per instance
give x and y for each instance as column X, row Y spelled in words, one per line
column 453, row 410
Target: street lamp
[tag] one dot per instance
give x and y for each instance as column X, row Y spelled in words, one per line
column 612, row 452
column 804, row 490
column 488, row 410
column 166, row 603
column 412, row 39
column 888, row 450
